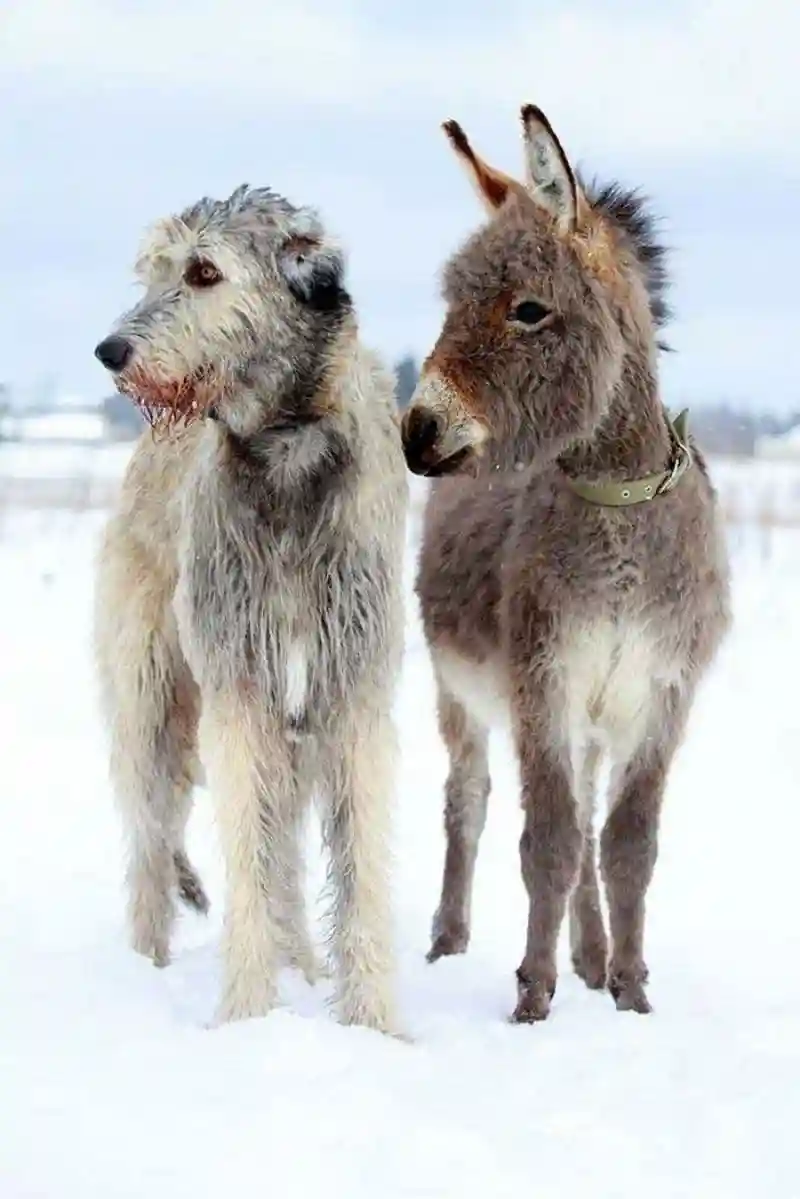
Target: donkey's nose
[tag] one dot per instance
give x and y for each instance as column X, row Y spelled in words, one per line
column 113, row 352
column 421, row 432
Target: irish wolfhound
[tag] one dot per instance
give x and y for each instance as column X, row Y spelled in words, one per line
column 248, row 595
column 585, row 593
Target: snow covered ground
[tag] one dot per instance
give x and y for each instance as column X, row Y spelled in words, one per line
column 112, row 1088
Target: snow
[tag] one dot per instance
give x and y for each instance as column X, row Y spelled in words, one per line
column 113, row 1086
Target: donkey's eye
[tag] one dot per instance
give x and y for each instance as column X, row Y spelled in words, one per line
column 202, row 273
column 529, row 312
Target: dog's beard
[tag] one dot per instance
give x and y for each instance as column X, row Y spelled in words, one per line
column 169, row 404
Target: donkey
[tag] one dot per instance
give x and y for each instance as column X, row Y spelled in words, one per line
column 249, row 609
column 572, row 578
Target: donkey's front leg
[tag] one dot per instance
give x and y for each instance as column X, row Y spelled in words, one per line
column 629, row 843
column 466, row 795
column 550, row 853
column 588, row 939
column 628, row 851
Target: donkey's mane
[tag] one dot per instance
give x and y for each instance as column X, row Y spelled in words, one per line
column 629, row 210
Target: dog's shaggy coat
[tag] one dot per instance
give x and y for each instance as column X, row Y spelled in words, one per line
column 248, row 595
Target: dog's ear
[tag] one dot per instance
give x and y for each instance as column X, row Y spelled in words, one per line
column 314, row 272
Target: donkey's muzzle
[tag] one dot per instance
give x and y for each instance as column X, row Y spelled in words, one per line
column 423, row 444
column 421, row 432
column 114, row 353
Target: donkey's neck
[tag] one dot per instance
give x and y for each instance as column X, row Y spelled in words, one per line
column 631, row 440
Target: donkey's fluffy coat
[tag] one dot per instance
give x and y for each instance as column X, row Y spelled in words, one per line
column 590, row 626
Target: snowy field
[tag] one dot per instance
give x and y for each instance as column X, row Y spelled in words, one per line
column 111, row 1087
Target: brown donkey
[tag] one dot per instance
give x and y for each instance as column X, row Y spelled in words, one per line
column 582, row 593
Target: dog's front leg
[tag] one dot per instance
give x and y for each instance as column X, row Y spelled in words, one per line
column 249, row 768
column 360, row 782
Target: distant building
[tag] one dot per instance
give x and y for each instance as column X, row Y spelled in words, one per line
column 67, row 456
column 114, row 419
column 55, row 427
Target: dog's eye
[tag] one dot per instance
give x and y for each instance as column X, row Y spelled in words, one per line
column 202, row 273
column 529, row 312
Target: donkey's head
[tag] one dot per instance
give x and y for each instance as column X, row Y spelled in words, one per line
column 546, row 306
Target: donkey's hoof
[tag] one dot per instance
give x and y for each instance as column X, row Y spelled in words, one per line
column 447, row 944
column 592, row 969
column 630, row 996
column 534, row 998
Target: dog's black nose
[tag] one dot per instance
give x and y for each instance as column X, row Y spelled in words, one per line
column 114, row 352
column 421, row 432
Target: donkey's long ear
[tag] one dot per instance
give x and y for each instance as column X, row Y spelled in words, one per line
column 492, row 186
column 549, row 175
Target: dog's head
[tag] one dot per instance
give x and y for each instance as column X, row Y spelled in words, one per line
column 244, row 299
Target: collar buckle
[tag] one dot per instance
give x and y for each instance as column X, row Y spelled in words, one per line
column 682, row 459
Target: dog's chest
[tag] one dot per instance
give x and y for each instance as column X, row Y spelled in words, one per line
column 289, row 661
column 301, row 629
column 250, row 600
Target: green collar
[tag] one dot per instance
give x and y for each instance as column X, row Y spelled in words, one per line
column 614, row 494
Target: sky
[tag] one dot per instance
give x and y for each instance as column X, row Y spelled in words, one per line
column 115, row 112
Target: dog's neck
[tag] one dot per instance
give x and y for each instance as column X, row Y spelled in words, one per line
column 254, row 412
column 290, row 454
column 264, row 402
column 257, row 444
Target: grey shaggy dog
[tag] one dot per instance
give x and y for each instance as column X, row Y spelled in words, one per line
column 249, row 609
